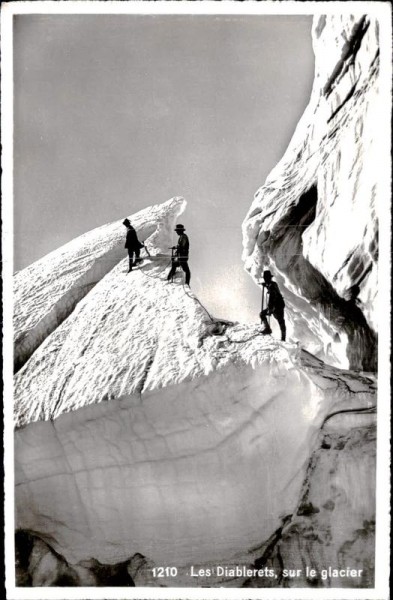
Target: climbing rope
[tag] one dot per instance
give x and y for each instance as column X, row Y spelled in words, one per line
column 245, row 341
column 157, row 276
column 159, row 272
column 199, row 302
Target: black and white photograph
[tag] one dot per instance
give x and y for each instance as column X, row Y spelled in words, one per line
column 196, row 235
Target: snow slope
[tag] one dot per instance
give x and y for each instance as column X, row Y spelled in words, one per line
column 147, row 427
column 47, row 291
column 314, row 221
column 168, row 473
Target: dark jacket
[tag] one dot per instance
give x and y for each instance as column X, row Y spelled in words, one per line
column 183, row 246
column 132, row 242
column 276, row 301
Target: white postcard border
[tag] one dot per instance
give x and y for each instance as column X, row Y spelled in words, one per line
column 381, row 10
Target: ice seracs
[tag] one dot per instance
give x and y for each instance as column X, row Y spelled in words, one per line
column 315, row 220
column 150, row 428
column 47, row 291
column 194, row 472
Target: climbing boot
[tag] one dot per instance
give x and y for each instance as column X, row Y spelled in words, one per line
column 267, row 331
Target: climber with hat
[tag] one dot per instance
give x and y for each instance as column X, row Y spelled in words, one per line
column 180, row 258
column 133, row 245
column 275, row 305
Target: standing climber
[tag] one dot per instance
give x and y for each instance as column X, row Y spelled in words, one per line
column 275, row 305
column 181, row 254
column 133, row 245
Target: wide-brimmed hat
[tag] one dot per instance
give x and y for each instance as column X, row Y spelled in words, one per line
column 267, row 275
column 180, row 227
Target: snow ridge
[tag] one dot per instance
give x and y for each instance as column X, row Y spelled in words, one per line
column 46, row 292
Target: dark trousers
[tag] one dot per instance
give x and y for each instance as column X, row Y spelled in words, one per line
column 278, row 314
column 183, row 263
column 131, row 252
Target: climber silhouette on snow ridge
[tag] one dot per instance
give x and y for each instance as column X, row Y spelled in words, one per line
column 180, row 259
column 133, row 245
column 275, row 305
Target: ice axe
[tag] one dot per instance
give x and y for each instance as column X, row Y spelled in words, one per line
column 173, row 259
column 262, row 283
column 263, row 297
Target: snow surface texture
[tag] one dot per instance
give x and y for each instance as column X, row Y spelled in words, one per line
column 162, row 432
column 168, row 473
column 47, row 291
column 314, row 221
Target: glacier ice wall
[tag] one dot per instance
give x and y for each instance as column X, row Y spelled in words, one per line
column 333, row 524
column 145, row 427
column 190, row 473
column 314, row 221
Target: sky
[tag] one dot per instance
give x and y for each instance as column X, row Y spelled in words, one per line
column 113, row 113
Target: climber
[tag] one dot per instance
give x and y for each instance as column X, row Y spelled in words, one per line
column 275, row 305
column 181, row 254
column 133, row 245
